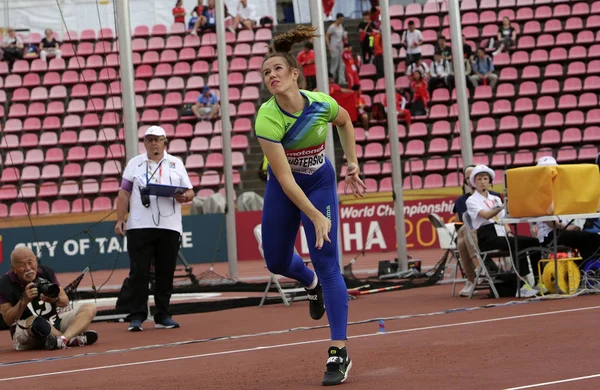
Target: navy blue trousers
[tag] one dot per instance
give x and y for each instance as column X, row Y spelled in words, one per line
column 280, row 223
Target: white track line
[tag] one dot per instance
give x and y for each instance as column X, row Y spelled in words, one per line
column 581, row 378
column 265, row 347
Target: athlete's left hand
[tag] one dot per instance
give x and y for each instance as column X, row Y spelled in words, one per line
column 354, row 181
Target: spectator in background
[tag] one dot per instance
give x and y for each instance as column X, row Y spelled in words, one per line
column 195, row 15
column 507, row 36
column 419, row 65
column 12, row 46
column 443, row 49
column 179, row 12
column 412, row 41
column 335, row 44
column 336, row 88
column 207, row 106
column 246, row 16
column 377, row 52
column 468, row 72
column 306, row 59
column 49, row 46
column 467, row 49
column 350, row 65
column 421, row 96
column 361, row 107
column 207, row 21
column 365, row 29
column 483, row 70
column 441, row 75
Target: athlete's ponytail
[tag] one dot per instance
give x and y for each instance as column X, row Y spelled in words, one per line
column 282, row 44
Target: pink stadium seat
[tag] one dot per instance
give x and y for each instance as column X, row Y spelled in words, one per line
column 439, row 128
column 588, row 99
column 96, row 152
column 101, row 203
column 486, row 124
column 71, row 170
column 415, row 147
column 504, row 90
column 54, row 155
column 412, row 182
column 523, row 157
column 580, row 9
column 438, row 146
column 20, row 95
column 373, row 150
column 242, row 125
column 19, row 209
column 574, row 118
column 214, row 160
column 76, row 153
column 571, row 135
column 528, row 139
column 567, row 101
column 480, row 109
column 17, row 111
column 483, row 142
column 591, row 134
column 13, row 158
column 554, row 119
column 550, row 137
column 558, row 54
column 592, row 117
column 523, row 104
column 111, row 168
column 31, row 80
column 109, row 185
column 566, row 154
column 433, row 180
column 572, row 84
column 434, row 164
column 566, row 39
column 587, row 153
column 51, row 79
column 502, row 106
column 501, row 159
column 545, row 103
column 20, row 66
column 28, row 140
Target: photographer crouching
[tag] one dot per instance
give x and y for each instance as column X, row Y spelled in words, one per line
column 154, row 186
column 29, row 297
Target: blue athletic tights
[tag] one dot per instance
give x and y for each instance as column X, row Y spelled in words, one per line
column 280, row 224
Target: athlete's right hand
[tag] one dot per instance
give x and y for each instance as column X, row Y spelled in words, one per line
column 120, row 228
column 322, row 226
column 30, row 292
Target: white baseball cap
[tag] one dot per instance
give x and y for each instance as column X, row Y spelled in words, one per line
column 481, row 169
column 546, row 161
column 156, row 131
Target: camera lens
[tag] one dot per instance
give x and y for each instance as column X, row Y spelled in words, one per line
column 145, row 196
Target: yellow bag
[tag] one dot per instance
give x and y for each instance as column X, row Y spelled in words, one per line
column 529, row 191
column 576, row 189
column 546, row 190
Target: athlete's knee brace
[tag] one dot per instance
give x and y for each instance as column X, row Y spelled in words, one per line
column 40, row 328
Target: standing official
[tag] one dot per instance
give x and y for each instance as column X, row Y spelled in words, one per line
column 154, row 226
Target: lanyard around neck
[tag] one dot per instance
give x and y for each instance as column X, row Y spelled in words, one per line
column 158, row 169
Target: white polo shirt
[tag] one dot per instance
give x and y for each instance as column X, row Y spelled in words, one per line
column 544, row 229
column 476, row 203
column 410, row 38
column 163, row 213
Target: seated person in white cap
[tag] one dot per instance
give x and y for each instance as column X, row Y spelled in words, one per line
column 467, row 252
column 485, row 210
column 569, row 232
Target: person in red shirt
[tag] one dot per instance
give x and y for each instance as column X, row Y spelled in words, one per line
column 361, row 107
column 179, row 12
column 377, row 52
column 336, row 88
column 419, row 87
column 401, row 109
column 306, row 59
column 351, row 69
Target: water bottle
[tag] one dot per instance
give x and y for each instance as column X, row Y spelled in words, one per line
column 381, row 326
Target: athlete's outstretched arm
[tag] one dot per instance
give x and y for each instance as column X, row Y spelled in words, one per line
column 348, row 140
column 281, row 168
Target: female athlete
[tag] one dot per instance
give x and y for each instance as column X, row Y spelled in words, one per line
column 301, row 186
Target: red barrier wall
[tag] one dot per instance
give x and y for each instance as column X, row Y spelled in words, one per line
column 364, row 226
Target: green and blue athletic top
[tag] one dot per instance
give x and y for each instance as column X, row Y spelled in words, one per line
column 302, row 134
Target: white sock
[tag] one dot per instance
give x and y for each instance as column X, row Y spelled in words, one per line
column 314, row 283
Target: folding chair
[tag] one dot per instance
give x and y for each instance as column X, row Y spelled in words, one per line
column 447, row 239
column 483, row 278
column 273, row 278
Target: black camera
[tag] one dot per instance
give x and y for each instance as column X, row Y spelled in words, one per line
column 145, row 196
column 47, row 288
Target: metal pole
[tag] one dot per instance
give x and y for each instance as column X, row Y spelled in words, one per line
column 316, row 17
column 392, row 120
column 127, row 76
column 232, row 257
column 460, row 82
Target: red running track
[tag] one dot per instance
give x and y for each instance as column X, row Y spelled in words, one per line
column 493, row 348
